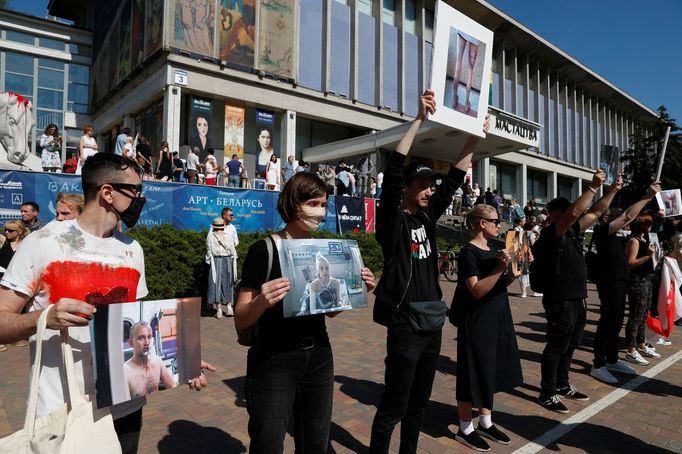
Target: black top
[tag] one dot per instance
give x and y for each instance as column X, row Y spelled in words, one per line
column 474, row 261
column 611, row 252
column 276, row 333
column 6, row 254
column 646, row 268
column 144, row 150
column 166, row 167
column 569, row 270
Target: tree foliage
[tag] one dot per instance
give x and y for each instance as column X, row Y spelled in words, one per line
column 641, row 160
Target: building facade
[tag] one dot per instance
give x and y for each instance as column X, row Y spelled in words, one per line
column 47, row 62
column 216, row 73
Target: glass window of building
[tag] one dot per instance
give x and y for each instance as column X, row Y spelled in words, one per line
column 565, row 187
column 339, row 68
column 366, row 59
column 391, row 68
column 412, row 91
column 508, row 95
column 45, row 117
column 78, row 89
column 50, row 84
column 504, row 179
column 19, row 37
column 520, row 99
column 570, row 150
column 532, row 101
column 19, row 74
column 365, row 7
column 561, row 132
column 388, row 14
column 410, row 17
column 551, row 130
column 542, row 121
column 50, row 43
column 428, row 25
column 495, row 101
column 536, row 185
column 80, row 49
column 310, row 44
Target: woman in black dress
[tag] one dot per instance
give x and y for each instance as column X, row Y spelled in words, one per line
column 164, row 169
column 487, row 353
column 290, row 369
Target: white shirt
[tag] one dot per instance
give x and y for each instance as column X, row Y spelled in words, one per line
column 62, row 260
column 192, row 161
column 380, row 179
column 231, row 231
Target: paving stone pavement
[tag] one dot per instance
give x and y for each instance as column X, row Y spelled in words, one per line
column 647, row 420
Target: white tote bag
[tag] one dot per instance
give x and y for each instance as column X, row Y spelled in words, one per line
column 72, row 428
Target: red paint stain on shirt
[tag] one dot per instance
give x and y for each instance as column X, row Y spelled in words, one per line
column 94, row 283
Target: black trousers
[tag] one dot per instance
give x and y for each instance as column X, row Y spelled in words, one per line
column 410, row 369
column 128, row 430
column 565, row 325
column 612, row 297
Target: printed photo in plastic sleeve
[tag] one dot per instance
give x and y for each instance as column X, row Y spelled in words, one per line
column 324, row 276
column 144, row 347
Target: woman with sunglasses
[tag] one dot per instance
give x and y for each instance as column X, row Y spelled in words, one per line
column 487, row 353
column 51, row 143
column 15, row 231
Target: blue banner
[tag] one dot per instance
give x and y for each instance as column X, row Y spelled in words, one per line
column 185, row 206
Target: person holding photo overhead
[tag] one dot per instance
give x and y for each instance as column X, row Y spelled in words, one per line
column 408, row 297
column 487, row 353
column 290, row 364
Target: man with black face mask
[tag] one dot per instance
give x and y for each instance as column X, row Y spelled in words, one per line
column 74, row 265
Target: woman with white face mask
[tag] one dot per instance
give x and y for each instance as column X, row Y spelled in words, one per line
column 290, row 364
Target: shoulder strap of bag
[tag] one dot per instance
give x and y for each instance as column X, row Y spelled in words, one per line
column 270, row 244
column 32, row 407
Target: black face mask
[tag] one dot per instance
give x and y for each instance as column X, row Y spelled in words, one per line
column 130, row 215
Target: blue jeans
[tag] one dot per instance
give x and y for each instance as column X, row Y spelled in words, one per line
column 233, row 181
column 410, row 369
column 299, row 382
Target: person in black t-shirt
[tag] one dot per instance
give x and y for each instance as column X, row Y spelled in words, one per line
column 612, row 287
column 564, row 300
column 487, row 353
column 410, row 206
column 290, row 364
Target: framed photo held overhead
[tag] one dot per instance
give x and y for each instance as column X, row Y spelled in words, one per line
column 460, row 70
column 324, row 276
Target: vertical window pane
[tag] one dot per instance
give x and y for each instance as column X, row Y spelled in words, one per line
column 428, row 25
column 532, row 112
column 551, row 129
column 310, row 47
column 508, row 95
column 50, row 99
column 46, row 117
column 366, row 59
column 19, row 84
column 78, row 73
column 495, row 101
column 520, row 101
column 390, row 67
column 49, row 78
column 365, row 7
column 18, row 63
column 411, row 74
column 339, row 67
column 389, row 12
column 410, row 17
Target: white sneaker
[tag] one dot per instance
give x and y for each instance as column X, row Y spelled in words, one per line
column 663, row 341
column 537, row 294
column 635, row 357
column 230, row 310
column 524, row 295
column 649, row 352
column 219, row 312
column 602, row 374
column 620, row 366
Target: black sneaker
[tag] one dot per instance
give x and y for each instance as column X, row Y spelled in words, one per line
column 494, row 434
column 570, row 392
column 473, row 440
column 553, row 403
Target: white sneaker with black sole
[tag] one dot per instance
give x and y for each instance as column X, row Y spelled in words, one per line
column 635, row 357
column 649, row 352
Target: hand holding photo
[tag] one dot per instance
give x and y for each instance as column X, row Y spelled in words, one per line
column 325, row 276
column 670, row 201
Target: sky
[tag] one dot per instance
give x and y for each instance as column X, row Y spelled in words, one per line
column 634, row 44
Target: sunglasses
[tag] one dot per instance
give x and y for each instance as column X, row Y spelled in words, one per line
column 135, row 188
column 11, row 231
column 494, row 221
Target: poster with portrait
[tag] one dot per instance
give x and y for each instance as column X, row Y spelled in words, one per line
column 137, row 34
column 517, row 245
column 658, row 251
column 141, row 348
column 153, row 26
column 193, row 26
column 670, row 201
column 460, row 70
column 265, row 123
column 324, row 276
column 234, row 132
column 199, row 128
column 609, row 160
column 276, row 37
column 237, row 31
column 125, row 41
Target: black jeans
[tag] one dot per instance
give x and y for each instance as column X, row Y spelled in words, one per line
column 612, row 297
column 410, row 369
column 299, row 382
column 128, row 430
column 565, row 325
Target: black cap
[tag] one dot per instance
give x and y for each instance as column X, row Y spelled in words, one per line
column 416, row 170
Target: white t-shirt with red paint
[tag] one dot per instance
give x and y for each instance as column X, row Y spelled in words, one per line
column 61, row 260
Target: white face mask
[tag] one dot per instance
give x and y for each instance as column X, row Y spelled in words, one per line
column 312, row 217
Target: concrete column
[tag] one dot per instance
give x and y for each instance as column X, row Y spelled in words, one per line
column 288, row 135
column 522, row 184
column 171, row 116
column 483, row 170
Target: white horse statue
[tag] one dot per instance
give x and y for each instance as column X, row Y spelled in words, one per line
column 16, row 122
